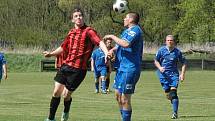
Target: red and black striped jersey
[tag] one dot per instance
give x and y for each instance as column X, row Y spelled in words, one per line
column 79, row 45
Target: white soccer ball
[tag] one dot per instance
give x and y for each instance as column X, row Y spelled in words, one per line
column 120, row 6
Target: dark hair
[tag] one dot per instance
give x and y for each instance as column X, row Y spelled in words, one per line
column 135, row 16
column 77, row 9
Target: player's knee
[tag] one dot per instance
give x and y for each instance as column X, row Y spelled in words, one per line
column 172, row 95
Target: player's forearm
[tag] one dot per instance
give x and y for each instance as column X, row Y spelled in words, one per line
column 103, row 47
column 183, row 69
column 56, row 52
column 157, row 64
column 120, row 42
column 92, row 64
column 5, row 68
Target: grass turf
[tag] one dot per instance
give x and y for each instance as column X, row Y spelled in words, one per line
column 26, row 97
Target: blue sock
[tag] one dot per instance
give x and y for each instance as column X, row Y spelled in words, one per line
column 175, row 103
column 121, row 112
column 97, row 85
column 126, row 115
column 103, row 85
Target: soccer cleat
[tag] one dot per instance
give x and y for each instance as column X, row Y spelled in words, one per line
column 50, row 120
column 96, row 91
column 174, row 116
column 104, row 92
column 64, row 116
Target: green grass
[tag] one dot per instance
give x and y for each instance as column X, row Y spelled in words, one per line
column 26, row 97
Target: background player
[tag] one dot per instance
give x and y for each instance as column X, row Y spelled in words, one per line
column 166, row 61
column 3, row 67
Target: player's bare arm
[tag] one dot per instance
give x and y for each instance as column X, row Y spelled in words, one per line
column 119, row 41
column 56, row 52
column 157, row 64
column 92, row 65
column 183, row 70
column 5, row 71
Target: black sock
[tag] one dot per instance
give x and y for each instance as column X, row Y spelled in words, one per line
column 53, row 107
column 67, row 105
column 107, row 82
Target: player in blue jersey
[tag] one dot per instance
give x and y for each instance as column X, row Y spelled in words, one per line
column 100, row 68
column 166, row 61
column 129, row 55
column 3, row 67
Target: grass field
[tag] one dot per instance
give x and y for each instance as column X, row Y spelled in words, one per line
column 26, row 97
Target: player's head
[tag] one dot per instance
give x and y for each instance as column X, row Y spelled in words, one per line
column 108, row 43
column 170, row 42
column 77, row 17
column 131, row 18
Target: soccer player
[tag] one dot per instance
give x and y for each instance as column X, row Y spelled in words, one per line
column 129, row 55
column 79, row 44
column 109, row 66
column 100, row 69
column 3, row 67
column 166, row 61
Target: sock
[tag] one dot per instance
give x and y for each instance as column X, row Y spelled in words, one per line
column 53, row 107
column 107, row 83
column 126, row 115
column 97, row 85
column 103, row 85
column 67, row 105
column 121, row 113
column 175, row 103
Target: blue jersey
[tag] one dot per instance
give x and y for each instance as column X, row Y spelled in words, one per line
column 130, row 58
column 169, row 60
column 98, row 57
column 2, row 62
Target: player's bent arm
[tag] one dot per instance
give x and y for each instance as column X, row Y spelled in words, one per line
column 103, row 47
column 5, row 71
column 119, row 41
column 56, row 52
column 157, row 64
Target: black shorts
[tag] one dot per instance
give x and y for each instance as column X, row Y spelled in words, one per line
column 70, row 77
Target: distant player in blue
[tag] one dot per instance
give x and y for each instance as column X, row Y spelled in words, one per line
column 99, row 66
column 3, row 67
column 129, row 55
column 166, row 61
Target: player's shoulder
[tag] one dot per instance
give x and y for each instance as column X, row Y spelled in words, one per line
column 162, row 48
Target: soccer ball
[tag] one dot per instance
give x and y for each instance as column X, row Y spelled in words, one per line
column 120, row 6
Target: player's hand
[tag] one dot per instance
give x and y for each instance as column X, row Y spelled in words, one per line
column 47, row 54
column 182, row 77
column 162, row 69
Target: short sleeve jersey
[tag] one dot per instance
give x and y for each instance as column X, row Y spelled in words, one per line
column 169, row 59
column 130, row 58
column 98, row 57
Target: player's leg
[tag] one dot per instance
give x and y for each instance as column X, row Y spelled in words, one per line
column 108, row 81
column 174, row 101
column 74, row 77
column 55, row 101
column 118, row 96
column 128, row 86
column 97, row 85
column 67, row 102
column 103, row 73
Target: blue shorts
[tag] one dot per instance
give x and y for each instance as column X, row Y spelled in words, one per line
column 102, row 72
column 169, row 80
column 125, row 82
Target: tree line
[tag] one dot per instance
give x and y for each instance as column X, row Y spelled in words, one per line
column 40, row 22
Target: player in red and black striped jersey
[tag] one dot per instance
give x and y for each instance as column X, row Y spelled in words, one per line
column 78, row 44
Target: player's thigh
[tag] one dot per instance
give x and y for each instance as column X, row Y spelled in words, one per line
column 128, row 81
column 58, row 89
column 74, row 79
